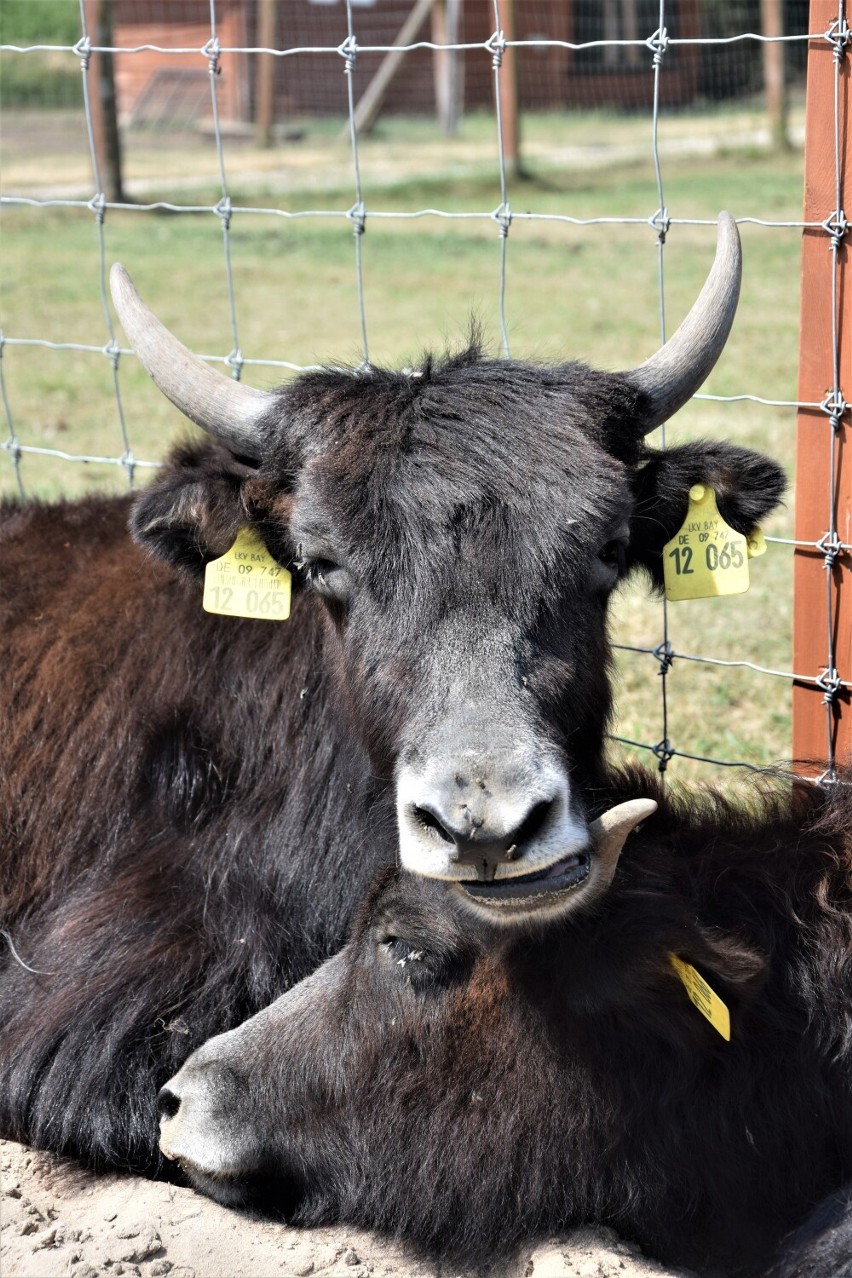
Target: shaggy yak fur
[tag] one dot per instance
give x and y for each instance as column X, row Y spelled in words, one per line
column 467, row 1087
column 191, row 805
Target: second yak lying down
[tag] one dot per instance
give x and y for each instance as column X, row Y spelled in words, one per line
column 474, row 1070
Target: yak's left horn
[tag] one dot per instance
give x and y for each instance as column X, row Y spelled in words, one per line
column 219, row 405
column 673, row 375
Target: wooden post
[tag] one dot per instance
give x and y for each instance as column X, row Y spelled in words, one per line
column 370, row 103
column 815, row 730
column 448, row 64
column 508, row 79
column 264, row 115
column 102, row 101
column 775, row 88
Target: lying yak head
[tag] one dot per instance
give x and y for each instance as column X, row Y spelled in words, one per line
column 465, row 1086
column 463, row 526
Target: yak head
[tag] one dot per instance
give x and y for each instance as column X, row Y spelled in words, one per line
column 462, row 527
column 467, row 1087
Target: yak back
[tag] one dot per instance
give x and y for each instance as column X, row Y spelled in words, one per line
column 175, row 818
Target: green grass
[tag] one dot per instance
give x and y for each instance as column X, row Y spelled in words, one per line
column 40, row 79
column 587, row 292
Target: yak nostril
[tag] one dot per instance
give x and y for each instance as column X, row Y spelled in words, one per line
column 168, row 1103
column 533, row 823
column 431, row 821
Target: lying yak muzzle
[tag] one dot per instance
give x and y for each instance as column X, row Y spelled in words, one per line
column 578, row 879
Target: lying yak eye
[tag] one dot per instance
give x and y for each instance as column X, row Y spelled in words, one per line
column 401, row 952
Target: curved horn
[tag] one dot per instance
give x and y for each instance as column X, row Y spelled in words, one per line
column 219, row 405
column 671, row 376
column 608, row 835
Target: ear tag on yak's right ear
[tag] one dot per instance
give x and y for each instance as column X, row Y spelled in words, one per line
column 707, row 558
column 706, row 1000
column 247, row 582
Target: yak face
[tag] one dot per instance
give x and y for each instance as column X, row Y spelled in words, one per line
column 462, row 527
column 463, row 1086
column 360, row 1094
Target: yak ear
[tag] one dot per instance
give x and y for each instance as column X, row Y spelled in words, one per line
column 735, row 969
column 194, row 508
column 747, row 485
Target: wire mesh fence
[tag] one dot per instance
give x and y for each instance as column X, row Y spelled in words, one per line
column 627, row 90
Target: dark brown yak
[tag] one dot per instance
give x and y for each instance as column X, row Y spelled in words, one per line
column 467, row 1086
column 192, row 805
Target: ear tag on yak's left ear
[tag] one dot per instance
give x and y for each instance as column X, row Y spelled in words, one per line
column 247, row 582
column 707, row 557
column 706, row 1000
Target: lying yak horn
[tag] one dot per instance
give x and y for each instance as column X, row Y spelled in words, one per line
column 609, row 834
column 219, row 405
column 671, row 376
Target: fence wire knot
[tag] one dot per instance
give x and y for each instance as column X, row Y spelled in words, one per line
column 496, row 46
column 834, row 406
column 502, row 215
column 98, row 206
column 83, row 49
column 832, row 548
column 838, row 35
column 358, row 217
column 235, row 362
column 349, row 52
column 13, row 448
column 211, row 52
column 826, row 778
column 665, row 654
column 831, row 684
column 658, row 43
column 224, row 209
column 836, row 226
column 661, row 223
column 112, row 350
column 664, row 752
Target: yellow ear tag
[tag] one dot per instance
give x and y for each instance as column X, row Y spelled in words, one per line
column 707, row 557
column 706, row 1000
column 247, row 582
column 756, row 543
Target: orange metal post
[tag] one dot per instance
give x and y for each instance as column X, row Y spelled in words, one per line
column 822, row 603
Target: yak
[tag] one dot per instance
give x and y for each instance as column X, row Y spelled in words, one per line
column 467, row 1081
column 192, row 805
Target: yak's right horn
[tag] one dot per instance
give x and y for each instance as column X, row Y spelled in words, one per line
column 222, row 407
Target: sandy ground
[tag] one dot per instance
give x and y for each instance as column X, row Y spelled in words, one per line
column 59, row 1222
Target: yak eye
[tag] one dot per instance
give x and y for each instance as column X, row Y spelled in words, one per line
column 327, row 578
column 614, row 555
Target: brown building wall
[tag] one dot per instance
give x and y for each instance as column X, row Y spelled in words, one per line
column 150, row 84
column 315, row 83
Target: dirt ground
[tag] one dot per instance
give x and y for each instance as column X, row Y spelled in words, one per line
column 59, row 1222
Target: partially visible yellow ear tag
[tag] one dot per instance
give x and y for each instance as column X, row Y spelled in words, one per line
column 706, row 1000
column 707, row 557
column 756, row 543
column 247, row 582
